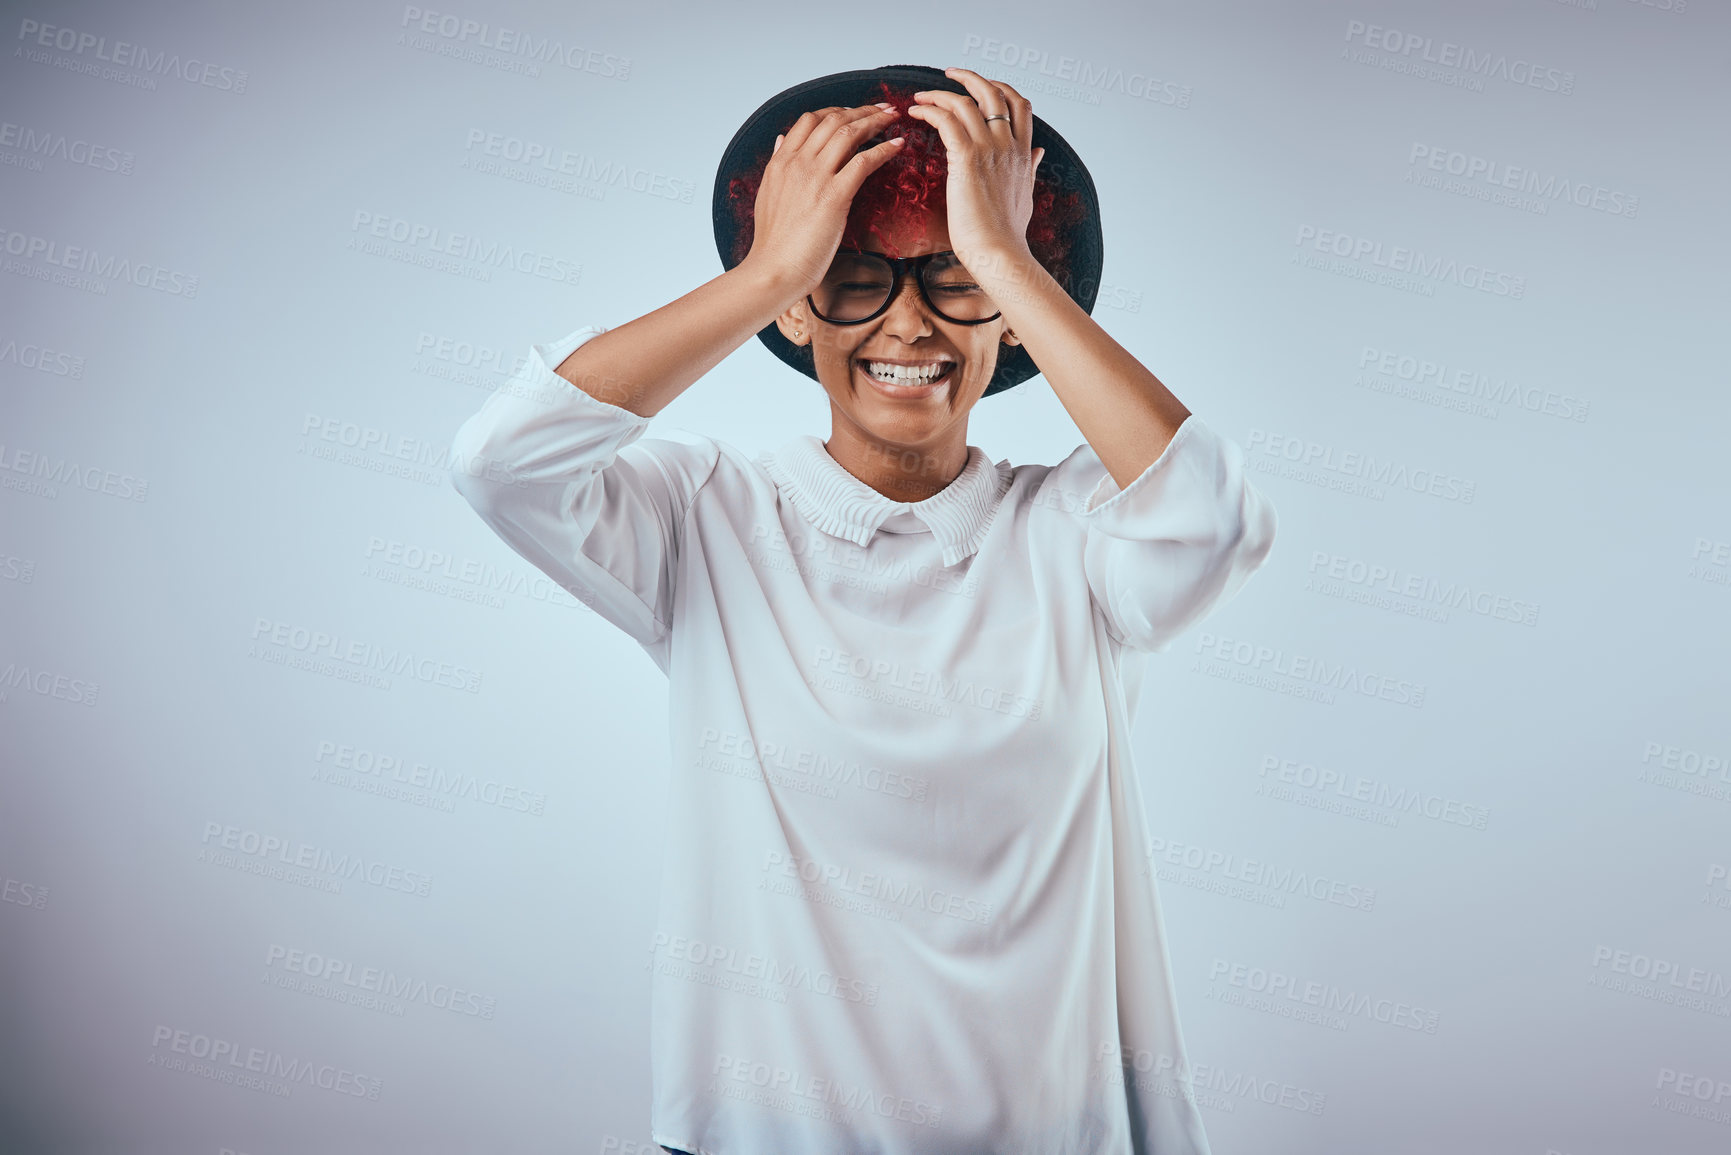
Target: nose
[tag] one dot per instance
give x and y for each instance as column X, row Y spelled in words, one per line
column 907, row 318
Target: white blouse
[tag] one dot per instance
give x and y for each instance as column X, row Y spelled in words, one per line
column 907, row 904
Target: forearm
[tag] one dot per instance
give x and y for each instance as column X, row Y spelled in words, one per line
column 644, row 364
column 1127, row 415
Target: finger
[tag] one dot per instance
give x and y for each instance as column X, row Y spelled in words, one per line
column 969, row 120
column 802, row 127
column 840, row 133
column 1021, row 111
column 855, row 171
column 982, row 90
column 951, row 131
column 848, row 134
column 988, row 96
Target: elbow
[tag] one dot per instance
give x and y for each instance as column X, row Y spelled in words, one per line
column 473, row 469
column 473, row 492
column 1257, row 526
column 1251, row 535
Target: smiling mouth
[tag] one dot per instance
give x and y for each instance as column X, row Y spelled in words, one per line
column 906, row 380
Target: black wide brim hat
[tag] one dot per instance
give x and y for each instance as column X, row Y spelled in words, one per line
column 750, row 149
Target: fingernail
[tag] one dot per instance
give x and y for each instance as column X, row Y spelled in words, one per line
column 885, row 104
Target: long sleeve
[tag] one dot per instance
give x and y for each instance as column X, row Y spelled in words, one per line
column 571, row 483
column 1182, row 538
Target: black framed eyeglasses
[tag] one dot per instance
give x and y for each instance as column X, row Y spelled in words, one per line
column 860, row 286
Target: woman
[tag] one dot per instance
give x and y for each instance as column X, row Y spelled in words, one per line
column 907, row 903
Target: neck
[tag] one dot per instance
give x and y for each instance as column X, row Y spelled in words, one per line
column 900, row 472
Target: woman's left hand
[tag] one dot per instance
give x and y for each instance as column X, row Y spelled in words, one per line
column 990, row 187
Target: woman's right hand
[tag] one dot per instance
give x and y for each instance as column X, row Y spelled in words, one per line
column 808, row 189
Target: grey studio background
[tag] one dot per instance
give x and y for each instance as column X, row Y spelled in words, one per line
column 328, row 825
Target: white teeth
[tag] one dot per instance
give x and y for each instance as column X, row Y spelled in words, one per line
column 905, row 374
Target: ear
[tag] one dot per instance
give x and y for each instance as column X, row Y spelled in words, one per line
column 795, row 323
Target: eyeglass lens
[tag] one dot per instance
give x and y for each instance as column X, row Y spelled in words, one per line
column 859, row 284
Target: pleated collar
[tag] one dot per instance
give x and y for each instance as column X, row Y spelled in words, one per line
column 840, row 504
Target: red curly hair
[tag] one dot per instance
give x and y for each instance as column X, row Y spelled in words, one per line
column 910, row 185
